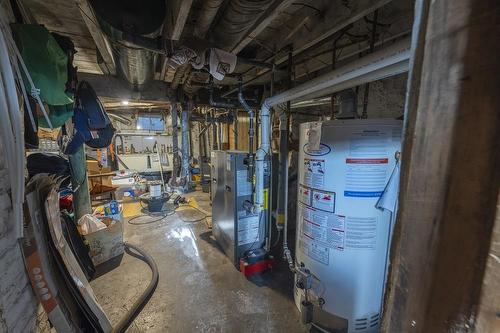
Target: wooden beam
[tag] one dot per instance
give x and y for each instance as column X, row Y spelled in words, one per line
column 323, row 31
column 358, row 10
column 266, row 19
column 177, row 14
column 100, row 40
column 450, row 175
column 114, row 87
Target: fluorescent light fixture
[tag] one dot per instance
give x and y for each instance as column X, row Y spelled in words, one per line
column 125, row 102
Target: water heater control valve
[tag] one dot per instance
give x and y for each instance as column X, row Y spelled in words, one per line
column 304, row 278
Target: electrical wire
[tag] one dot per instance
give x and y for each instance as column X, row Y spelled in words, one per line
column 163, row 216
column 192, row 207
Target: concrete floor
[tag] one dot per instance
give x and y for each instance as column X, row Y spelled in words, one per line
column 199, row 289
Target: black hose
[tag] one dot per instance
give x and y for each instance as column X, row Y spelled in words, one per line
column 139, row 304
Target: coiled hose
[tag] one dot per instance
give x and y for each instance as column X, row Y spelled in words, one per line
column 139, row 304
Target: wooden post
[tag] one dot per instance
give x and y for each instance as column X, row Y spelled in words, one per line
column 450, row 169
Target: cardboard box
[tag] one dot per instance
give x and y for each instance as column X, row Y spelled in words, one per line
column 94, row 169
column 106, row 244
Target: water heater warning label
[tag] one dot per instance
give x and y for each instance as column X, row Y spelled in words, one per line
column 322, row 228
column 366, row 177
column 361, row 233
column 314, row 251
column 314, row 173
column 305, row 195
column 324, row 201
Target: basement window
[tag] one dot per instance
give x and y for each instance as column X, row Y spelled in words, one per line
column 150, row 122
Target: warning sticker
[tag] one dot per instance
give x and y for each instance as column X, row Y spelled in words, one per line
column 315, row 251
column 304, row 195
column 324, row 201
column 314, row 173
column 248, row 230
column 369, row 143
column 339, row 223
column 243, row 185
column 338, row 239
column 366, row 177
column 321, row 227
column 338, row 232
column 306, row 212
column 361, row 233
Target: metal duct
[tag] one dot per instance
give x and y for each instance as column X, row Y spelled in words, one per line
column 207, row 14
column 348, row 104
column 251, row 133
column 143, row 18
column 238, row 17
column 175, row 143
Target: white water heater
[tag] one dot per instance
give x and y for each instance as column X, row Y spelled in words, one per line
column 342, row 237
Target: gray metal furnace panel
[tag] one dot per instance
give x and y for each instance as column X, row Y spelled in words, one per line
column 235, row 230
column 219, row 220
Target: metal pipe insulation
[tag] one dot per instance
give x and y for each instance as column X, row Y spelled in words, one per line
column 397, row 53
column 235, row 129
column 375, row 66
column 207, row 14
column 214, row 133
column 237, row 18
column 348, row 104
column 364, row 114
column 185, row 140
column 219, row 136
column 206, row 138
column 284, row 126
column 127, row 24
column 175, row 143
column 283, row 173
column 251, row 133
column 343, row 57
column 282, row 216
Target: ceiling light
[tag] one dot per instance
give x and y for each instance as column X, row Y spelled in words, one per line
column 124, row 102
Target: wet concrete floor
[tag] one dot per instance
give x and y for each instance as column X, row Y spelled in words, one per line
column 199, row 289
